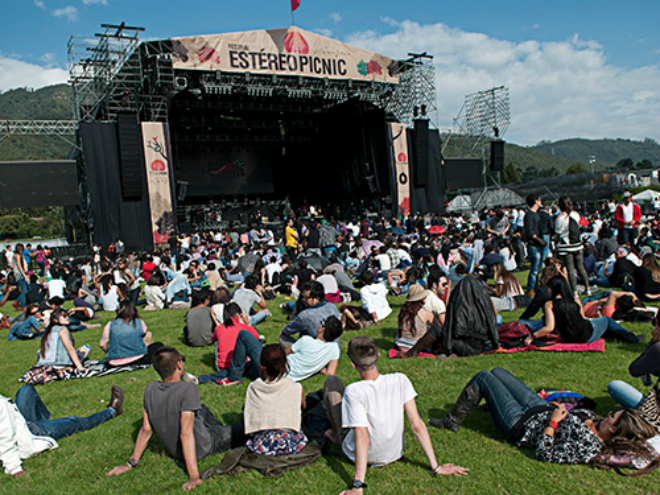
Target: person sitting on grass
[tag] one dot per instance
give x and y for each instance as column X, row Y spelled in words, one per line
column 199, row 323
column 225, row 337
column 307, row 321
column 273, row 408
column 308, row 355
column 185, row 426
column 27, row 428
column 557, row 435
column 414, row 319
column 126, row 340
column 366, row 417
column 248, row 295
column 57, row 345
column 375, row 307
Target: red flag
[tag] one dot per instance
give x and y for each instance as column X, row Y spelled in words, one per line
column 295, row 4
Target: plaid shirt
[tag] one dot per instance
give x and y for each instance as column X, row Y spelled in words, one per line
column 394, row 257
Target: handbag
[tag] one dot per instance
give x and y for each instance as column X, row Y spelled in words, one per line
column 649, row 408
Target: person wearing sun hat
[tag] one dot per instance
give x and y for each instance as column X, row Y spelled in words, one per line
column 414, row 319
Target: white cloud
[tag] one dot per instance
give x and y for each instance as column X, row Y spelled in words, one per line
column 48, row 58
column 336, row 16
column 95, row 2
column 17, row 73
column 70, row 12
column 558, row 89
column 40, row 4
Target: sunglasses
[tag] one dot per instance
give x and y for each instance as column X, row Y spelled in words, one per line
column 182, row 358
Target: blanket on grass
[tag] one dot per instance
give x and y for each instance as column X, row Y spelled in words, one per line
column 38, row 375
column 598, row 346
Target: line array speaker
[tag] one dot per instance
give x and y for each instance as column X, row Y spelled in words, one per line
column 130, row 156
column 422, row 161
column 497, row 155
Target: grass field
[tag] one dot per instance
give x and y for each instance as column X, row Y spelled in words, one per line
column 79, row 465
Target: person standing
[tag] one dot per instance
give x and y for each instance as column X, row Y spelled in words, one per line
column 19, row 269
column 628, row 215
column 535, row 241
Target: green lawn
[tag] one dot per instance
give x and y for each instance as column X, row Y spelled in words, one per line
column 80, row 463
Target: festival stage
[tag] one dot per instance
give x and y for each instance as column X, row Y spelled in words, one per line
column 229, row 123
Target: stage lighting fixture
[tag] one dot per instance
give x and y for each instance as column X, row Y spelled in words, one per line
column 180, row 82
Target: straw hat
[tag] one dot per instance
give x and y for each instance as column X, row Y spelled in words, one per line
column 416, row 293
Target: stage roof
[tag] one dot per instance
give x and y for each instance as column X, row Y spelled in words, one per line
column 287, row 52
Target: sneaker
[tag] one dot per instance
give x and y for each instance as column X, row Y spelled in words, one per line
column 640, row 338
column 225, row 382
column 189, row 378
column 117, row 400
column 15, row 304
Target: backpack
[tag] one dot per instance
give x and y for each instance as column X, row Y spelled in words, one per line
column 574, row 234
column 513, row 331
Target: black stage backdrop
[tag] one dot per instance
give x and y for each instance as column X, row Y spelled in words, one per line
column 346, row 160
column 110, row 216
column 430, row 198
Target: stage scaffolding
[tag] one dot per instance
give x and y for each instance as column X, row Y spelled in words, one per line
column 485, row 116
column 114, row 72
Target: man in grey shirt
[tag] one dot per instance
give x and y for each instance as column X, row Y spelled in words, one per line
column 249, row 295
column 185, row 426
column 199, row 323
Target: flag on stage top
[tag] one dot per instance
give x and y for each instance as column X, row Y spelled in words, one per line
column 295, row 4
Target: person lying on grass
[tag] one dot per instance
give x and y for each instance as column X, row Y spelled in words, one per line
column 185, row 426
column 366, row 417
column 308, row 355
column 557, row 435
column 26, row 428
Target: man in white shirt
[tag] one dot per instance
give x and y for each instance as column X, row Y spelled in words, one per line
column 309, row 355
column 367, row 416
column 56, row 288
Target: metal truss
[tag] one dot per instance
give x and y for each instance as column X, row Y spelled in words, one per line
column 415, row 94
column 485, row 115
column 103, row 69
column 115, row 73
column 58, row 128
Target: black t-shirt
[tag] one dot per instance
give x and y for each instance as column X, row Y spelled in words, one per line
column 574, row 329
column 313, row 238
column 304, row 275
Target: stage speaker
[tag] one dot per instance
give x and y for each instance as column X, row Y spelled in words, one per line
column 130, row 156
column 422, row 161
column 497, row 155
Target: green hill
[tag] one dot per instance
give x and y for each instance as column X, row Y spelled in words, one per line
column 49, row 103
column 608, row 152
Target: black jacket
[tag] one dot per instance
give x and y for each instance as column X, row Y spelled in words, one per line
column 470, row 323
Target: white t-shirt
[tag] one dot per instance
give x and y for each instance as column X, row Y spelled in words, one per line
column 384, row 261
column 110, row 301
column 56, row 288
column 310, row 356
column 434, row 304
column 378, row 406
column 329, row 284
column 272, row 269
column 628, row 211
column 374, row 300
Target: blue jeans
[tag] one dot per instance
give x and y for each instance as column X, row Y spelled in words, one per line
column 534, row 325
column 508, row 398
column 23, row 286
column 246, row 346
column 625, row 394
column 546, row 250
column 257, row 318
column 38, row 419
column 607, row 326
column 535, row 261
column 23, row 330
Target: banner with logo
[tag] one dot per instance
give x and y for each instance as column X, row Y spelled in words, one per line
column 287, row 52
column 157, row 153
column 401, row 166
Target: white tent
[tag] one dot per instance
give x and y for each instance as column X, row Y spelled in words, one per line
column 648, row 195
column 485, row 199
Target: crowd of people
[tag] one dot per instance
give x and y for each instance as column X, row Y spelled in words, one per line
column 456, row 275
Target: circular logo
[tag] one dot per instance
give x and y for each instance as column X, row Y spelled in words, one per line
column 402, row 157
column 158, row 166
column 403, row 178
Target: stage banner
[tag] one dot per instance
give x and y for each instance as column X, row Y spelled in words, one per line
column 288, row 52
column 401, row 166
column 157, row 153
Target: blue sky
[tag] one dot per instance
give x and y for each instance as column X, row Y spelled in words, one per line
column 574, row 68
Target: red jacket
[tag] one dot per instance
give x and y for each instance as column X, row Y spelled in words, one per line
column 637, row 215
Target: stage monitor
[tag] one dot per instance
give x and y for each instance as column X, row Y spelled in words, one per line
column 463, row 173
column 38, row 184
column 211, row 170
